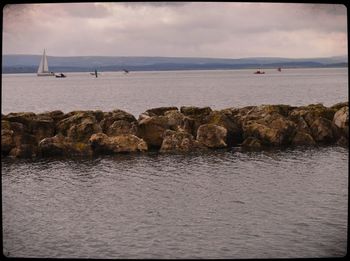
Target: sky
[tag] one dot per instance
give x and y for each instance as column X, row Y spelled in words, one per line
column 176, row 29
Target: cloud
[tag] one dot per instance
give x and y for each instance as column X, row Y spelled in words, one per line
column 206, row 29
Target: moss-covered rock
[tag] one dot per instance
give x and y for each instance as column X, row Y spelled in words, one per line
column 179, row 141
column 151, row 130
column 341, row 122
column 302, row 138
column 234, row 131
column 101, row 143
column 160, row 111
column 252, row 143
column 60, row 145
column 321, row 130
column 212, row 136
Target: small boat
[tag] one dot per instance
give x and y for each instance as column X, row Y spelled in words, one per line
column 43, row 69
column 259, row 72
column 61, row 75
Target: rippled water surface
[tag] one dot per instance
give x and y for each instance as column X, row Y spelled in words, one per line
column 218, row 204
column 222, row 204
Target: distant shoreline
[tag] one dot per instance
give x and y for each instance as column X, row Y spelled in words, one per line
column 30, row 70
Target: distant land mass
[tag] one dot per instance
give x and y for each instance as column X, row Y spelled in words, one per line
column 29, row 63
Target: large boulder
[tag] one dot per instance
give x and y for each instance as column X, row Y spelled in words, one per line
column 252, row 143
column 212, row 136
column 79, row 126
column 195, row 111
column 122, row 127
column 224, row 119
column 22, row 117
column 24, row 151
column 60, row 145
column 341, row 122
column 18, row 140
column 42, row 127
column 7, row 142
column 267, row 124
column 179, row 141
column 175, row 119
column 160, row 111
column 56, row 115
column 339, row 105
column 302, row 138
column 116, row 115
column 194, row 117
column 83, row 131
column 151, row 130
column 322, row 130
column 101, row 143
column 312, row 112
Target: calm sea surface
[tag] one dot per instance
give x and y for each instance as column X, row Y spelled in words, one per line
column 219, row 204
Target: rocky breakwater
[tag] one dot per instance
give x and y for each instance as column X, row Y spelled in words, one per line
column 170, row 129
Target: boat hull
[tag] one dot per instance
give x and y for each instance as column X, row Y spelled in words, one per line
column 45, row 74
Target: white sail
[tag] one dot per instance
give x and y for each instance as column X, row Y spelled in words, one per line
column 43, row 69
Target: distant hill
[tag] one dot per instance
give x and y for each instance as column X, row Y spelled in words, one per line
column 29, row 63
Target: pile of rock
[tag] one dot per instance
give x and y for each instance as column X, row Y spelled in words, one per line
column 168, row 129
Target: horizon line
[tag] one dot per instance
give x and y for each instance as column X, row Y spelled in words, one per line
column 189, row 57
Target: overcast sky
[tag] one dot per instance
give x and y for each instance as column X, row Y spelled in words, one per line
column 189, row 29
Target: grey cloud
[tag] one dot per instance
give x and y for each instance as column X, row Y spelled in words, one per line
column 86, row 10
column 177, row 29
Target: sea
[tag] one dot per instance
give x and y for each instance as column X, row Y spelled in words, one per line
column 227, row 203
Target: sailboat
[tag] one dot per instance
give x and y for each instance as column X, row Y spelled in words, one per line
column 43, row 69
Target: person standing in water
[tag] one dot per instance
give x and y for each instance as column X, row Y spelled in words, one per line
column 95, row 73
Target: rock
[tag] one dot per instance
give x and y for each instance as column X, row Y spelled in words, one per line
column 79, row 126
column 53, row 146
column 151, row 130
column 101, row 143
column 7, row 142
column 190, row 125
column 175, row 119
column 195, row 111
column 72, row 119
column 267, row 125
column 179, row 141
column 63, row 146
column 83, row 131
column 321, row 130
column 212, row 136
column 194, row 117
column 110, row 117
column 341, row 122
column 342, row 141
column 17, row 141
column 302, row 139
column 234, row 131
column 339, row 105
column 252, row 143
column 312, row 112
column 56, row 115
column 22, row 117
column 160, row 111
column 122, row 127
column 24, row 151
column 42, row 128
